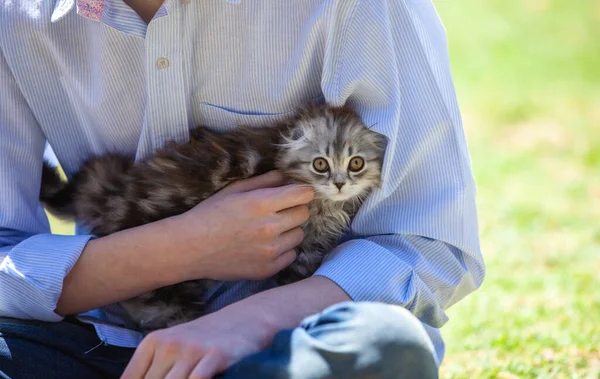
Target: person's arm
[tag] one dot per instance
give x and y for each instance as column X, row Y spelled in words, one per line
column 208, row 345
column 418, row 243
column 118, row 267
column 33, row 262
column 45, row 276
column 201, row 243
column 286, row 306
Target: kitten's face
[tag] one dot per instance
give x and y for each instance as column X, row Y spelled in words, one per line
column 333, row 151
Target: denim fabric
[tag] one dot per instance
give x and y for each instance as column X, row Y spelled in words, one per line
column 348, row 340
column 65, row 350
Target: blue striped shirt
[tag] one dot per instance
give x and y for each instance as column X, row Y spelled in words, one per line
column 90, row 86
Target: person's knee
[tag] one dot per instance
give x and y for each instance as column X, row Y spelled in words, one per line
column 390, row 333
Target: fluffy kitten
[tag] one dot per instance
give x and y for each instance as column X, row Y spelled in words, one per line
column 325, row 147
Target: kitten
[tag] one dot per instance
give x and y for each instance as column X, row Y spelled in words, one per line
column 325, row 147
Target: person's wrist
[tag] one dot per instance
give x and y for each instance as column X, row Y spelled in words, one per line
column 164, row 259
column 259, row 314
column 183, row 235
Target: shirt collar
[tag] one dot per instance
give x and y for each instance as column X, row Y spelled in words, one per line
column 61, row 8
column 91, row 9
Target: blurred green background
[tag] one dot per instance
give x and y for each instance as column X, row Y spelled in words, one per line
column 527, row 73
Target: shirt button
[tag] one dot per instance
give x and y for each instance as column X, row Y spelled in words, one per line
column 162, row 63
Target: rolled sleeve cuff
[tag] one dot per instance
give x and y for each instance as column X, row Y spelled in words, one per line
column 369, row 272
column 32, row 275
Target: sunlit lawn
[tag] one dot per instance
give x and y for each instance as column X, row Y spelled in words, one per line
column 528, row 78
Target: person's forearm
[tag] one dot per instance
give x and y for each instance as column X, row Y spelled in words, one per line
column 203, row 242
column 285, row 307
column 120, row 266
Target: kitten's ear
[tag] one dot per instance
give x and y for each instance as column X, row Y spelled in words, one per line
column 381, row 141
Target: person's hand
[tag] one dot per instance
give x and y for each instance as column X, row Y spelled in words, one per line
column 201, row 348
column 248, row 230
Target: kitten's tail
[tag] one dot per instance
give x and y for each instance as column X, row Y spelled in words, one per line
column 55, row 194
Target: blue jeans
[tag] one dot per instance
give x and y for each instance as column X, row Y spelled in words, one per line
column 347, row 340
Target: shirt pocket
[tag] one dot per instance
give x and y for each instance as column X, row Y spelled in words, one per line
column 223, row 118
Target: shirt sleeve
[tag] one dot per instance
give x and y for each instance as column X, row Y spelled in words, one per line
column 415, row 241
column 33, row 262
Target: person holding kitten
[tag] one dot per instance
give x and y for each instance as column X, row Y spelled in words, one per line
column 99, row 76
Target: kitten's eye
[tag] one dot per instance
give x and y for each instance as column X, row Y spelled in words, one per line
column 356, row 164
column 321, row 165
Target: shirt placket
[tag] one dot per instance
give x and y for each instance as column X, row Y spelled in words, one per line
column 167, row 113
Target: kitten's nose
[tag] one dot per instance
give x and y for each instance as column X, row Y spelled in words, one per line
column 339, row 185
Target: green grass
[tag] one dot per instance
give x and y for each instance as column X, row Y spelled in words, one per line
column 528, row 78
column 60, row 227
column 527, row 74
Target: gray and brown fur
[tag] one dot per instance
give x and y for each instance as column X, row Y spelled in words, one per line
column 112, row 192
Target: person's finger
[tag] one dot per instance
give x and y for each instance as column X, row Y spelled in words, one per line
column 183, row 368
column 140, row 361
column 269, row 180
column 210, row 365
column 288, row 196
column 285, row 260
column 160, row 367
column 289, row 240
column 291, row 218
